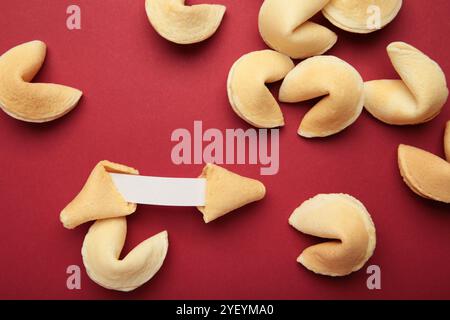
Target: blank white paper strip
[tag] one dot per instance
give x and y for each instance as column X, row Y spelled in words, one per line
column 184, row 192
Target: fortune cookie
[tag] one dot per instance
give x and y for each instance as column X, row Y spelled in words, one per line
column 361, row 16
column 99, row 198
column 183, row 24
column 101, row 256
column 345, row 221
column 227, row 191
column 417, row 98
column 32, row 102
column 247, row 93
column 339, row 83
column 425, row 173
column 284, row 27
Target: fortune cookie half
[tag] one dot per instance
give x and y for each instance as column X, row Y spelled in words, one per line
column 101, row 256
column 284, row 26
column 99, row 198
column 339, row 83
column 360, row 16
column 345, row 221
column 425, row 173
column 227, row 191
column 247, row 93
column 417, row 98
column 32, row 102
column 183, row 24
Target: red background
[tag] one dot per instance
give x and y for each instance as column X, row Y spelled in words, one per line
column 138, row 88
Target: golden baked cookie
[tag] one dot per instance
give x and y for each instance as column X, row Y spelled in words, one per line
column 99, row 197
column 182, row 24
column 247, row 93
column 227, row 191
column 101, row 256
column 425, row 173
column 340, row 85
column 32, row 102
column 417, row 98
column 358, row 15
column 346, row 223
column 284, row 27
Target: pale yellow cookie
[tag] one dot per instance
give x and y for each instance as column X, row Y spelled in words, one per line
column 346, row 223
column 32, row 102
column 425, row 173
column 284, row 26
column 227, row 191
column 99, row 198
column 417, row 98
column 182, row 24
column 101, row 256
column 340, row 85
column 360, row 16
column 247, row 93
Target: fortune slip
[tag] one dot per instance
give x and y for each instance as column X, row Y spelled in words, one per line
column 113, row 190
column 161, row 191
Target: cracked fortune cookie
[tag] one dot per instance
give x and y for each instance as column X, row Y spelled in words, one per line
column 32, row 102
column 417, row 98
column 284, row 27
column 182, row 24
column 99, row 197
column 101, row 251
column 227, row 191
column 346, row 223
